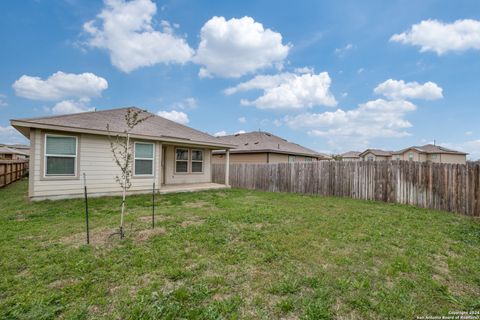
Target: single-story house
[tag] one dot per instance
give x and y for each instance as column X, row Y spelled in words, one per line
column 351, row 156
column 7, row 153
column 64, row 147
column 430, row 152
column 375, row 155
column 264, row 147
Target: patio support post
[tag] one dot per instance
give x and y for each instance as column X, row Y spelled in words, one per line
column 227, row 167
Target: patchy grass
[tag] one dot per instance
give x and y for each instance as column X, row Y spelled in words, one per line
column 234, row 254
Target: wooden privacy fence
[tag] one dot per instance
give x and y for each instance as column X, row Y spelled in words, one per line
column 449, row 187
column 12, row 170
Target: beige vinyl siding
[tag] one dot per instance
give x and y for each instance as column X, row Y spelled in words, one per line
column 260, row 157
column 375, row 158
column 417, row 156
column 190, row 177
column 280, row 158
column 96, row 160
column 440, row 158
column 451, row 158
column 242, row 158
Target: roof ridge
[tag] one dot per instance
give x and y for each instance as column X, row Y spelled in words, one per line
column 71, row 114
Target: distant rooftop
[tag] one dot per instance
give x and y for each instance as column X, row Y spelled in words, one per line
column 261, row 141
column 378, row 152
column 431, row 148
column 351, row 154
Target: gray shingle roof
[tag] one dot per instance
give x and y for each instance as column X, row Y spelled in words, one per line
column 7, row 150
column 377, row 152
column 431, row 148
column 260, row 141
column 155, row 126
column 351, row 154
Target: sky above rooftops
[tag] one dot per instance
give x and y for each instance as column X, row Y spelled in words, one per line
column 330, row 75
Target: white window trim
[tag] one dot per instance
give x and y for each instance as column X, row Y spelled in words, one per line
column 45, row 155
column 187, row 161
column 137, row 158
column 192, row 161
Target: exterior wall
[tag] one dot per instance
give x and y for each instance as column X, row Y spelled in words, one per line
column 375, row 158
column 350, row 159
column 261, row 157
column 241, row 158
column 179, row 178
column 417, row 156
column 439, row 158
column 94, row 158
column 281, row 158
column 452, row 158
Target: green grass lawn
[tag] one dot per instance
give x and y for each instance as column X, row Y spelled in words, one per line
column 234, row 254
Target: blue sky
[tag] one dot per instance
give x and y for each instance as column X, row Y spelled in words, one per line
column 331, row 75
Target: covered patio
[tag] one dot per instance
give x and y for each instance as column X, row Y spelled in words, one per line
column 191, row 187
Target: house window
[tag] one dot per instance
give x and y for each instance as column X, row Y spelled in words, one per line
column 144, row 155
column 308, row 159
column 433, row 156
column 60, row 155
column 410, row 156
column 397, row 158
column 370, row 158
column 197, row 161
column 291, row 158
column 181, row 160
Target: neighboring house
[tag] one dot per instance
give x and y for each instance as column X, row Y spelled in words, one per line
column 7, row 153
column 351, row 156
column 264, row 147
column 375, row 155
column 430, row 152
column 22, row 147
column 63, row 148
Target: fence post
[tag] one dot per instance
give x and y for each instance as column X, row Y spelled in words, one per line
column 86, row 206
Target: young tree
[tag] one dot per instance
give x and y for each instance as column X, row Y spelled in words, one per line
column 122, row 153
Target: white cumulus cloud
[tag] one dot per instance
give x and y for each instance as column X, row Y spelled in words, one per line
column 472, row 147
column 71, row 106
column 440, row 37
column 398, row 89
column 288, row 91
column 373, row 119
column 177, row 116
column 187, row 103
column 220, row 133
column 126, row 30
column 9, row 135
column 59, row 86
column 235, row 47
column 225, row 133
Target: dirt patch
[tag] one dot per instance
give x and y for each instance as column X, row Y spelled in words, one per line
column 158, row 218
column 62, row 283
column 144, row 235
column 197, row 204
column 441, row 266
column 23, row 273
column 195, row 221
column 20, row 217
column 98, row 237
